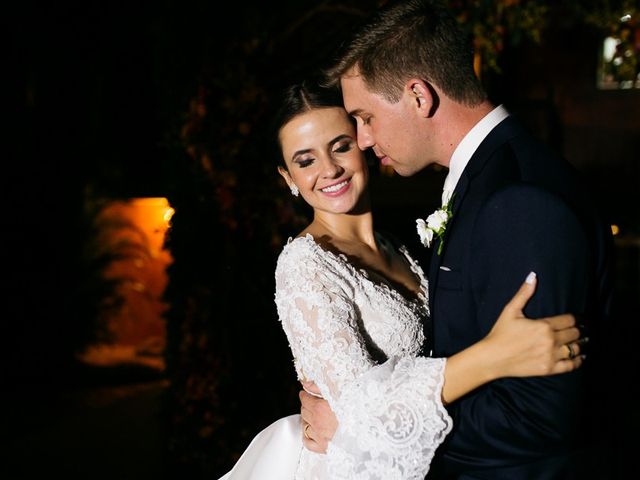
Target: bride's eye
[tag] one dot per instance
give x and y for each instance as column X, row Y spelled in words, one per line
column 343, row 147
column 304, row 162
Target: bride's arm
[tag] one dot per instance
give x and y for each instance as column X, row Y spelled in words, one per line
column 390, row 416
column 515, row 347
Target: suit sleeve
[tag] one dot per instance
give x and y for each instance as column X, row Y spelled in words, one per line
column 522, row 229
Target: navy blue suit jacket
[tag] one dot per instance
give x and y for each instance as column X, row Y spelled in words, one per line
column 517, row 208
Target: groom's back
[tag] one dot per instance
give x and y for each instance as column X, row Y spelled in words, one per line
column 522, row 208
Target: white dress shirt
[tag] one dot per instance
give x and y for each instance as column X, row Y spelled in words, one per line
column 467, row 147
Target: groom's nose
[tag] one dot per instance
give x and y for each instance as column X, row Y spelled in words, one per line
column 365, row 140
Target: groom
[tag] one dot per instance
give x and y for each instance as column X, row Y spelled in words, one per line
column 407, row 79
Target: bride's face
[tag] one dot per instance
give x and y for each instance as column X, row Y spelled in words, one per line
column 323, row 160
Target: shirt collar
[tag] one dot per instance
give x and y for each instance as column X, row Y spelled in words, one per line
column 467, row 147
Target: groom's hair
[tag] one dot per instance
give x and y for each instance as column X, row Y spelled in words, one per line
column 413, row 38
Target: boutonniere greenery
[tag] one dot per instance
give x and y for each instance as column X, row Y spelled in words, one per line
column 433, row 228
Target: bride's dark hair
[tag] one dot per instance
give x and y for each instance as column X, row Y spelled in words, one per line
column 299, row 98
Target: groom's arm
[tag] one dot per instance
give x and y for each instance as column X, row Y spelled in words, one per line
column 521, row 229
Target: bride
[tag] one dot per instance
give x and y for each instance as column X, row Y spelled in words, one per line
column 352, row 301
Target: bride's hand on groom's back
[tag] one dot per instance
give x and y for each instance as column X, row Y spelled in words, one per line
column 527, row 347
column 319, row 423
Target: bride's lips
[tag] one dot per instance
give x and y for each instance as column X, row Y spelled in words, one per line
column 337, row 189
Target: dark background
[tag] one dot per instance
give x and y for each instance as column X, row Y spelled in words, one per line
column 131, row 99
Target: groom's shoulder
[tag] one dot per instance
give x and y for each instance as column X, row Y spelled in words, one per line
column 532, row 154
column 523, row 158
column 525, row 207
column 516, row 195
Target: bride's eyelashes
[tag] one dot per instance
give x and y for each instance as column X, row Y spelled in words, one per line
column 305, row 162
column 343, row 147
column 344, row 144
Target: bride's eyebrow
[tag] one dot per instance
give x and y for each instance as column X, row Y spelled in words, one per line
column 297, row 153
column 338, row 138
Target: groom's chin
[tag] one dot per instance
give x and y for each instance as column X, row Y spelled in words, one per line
column 404, row 172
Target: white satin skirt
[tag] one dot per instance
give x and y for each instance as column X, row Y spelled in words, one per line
column 273, row 454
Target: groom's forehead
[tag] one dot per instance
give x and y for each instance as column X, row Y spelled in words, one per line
column 355, row 95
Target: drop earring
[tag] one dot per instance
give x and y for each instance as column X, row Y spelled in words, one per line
column 294, row 190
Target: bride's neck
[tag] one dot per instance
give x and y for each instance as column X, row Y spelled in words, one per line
column 345, row 228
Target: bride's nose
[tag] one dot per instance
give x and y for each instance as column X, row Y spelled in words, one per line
column 331, row 168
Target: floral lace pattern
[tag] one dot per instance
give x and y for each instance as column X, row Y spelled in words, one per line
column 358, row 340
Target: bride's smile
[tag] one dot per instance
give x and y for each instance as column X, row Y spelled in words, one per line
column 337, row 188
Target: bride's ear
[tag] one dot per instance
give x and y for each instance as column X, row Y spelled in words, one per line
column 284, row 174
column 423, row 96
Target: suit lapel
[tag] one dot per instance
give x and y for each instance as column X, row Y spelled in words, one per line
column 436, row 260
column 504, row 131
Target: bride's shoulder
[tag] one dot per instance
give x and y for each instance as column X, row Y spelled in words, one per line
column 296, row 248
column 302, row 242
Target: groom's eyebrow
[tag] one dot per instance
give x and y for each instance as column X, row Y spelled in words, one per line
column 355, row 113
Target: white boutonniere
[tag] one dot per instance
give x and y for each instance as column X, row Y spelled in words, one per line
column 434, row 227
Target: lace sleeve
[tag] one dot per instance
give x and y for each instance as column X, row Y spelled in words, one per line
column 390, row 416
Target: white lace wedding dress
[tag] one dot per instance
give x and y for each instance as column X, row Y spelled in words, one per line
column 358, row 339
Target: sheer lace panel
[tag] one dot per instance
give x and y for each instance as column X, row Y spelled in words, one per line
column 390, row 415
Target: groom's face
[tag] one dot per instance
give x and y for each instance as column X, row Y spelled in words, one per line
column 390, row 129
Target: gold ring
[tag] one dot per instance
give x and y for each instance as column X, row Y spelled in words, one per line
column 306, row 435
column 572, row 353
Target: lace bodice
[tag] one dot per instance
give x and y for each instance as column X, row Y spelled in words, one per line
column 358, row 340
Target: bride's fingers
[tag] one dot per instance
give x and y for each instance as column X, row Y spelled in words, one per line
column 560, row 322
column 566, row 336
column 568, row 351
column 568, row 364
column 522, row 296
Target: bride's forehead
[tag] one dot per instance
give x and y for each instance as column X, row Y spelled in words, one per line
column 322, row 116
column 317, row 123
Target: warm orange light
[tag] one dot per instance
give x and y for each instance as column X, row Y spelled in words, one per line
column 168, row 213
column 615, row 229
column 477, row 64
column 135, row 231
column 152, row 215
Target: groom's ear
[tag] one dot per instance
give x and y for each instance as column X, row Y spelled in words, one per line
column 423, row 95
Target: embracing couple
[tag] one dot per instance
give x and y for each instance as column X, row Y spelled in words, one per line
column 464, row 372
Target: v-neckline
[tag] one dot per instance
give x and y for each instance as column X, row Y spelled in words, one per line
column 384, row 283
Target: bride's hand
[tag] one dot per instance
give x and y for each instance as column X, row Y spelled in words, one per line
column 543, row 346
